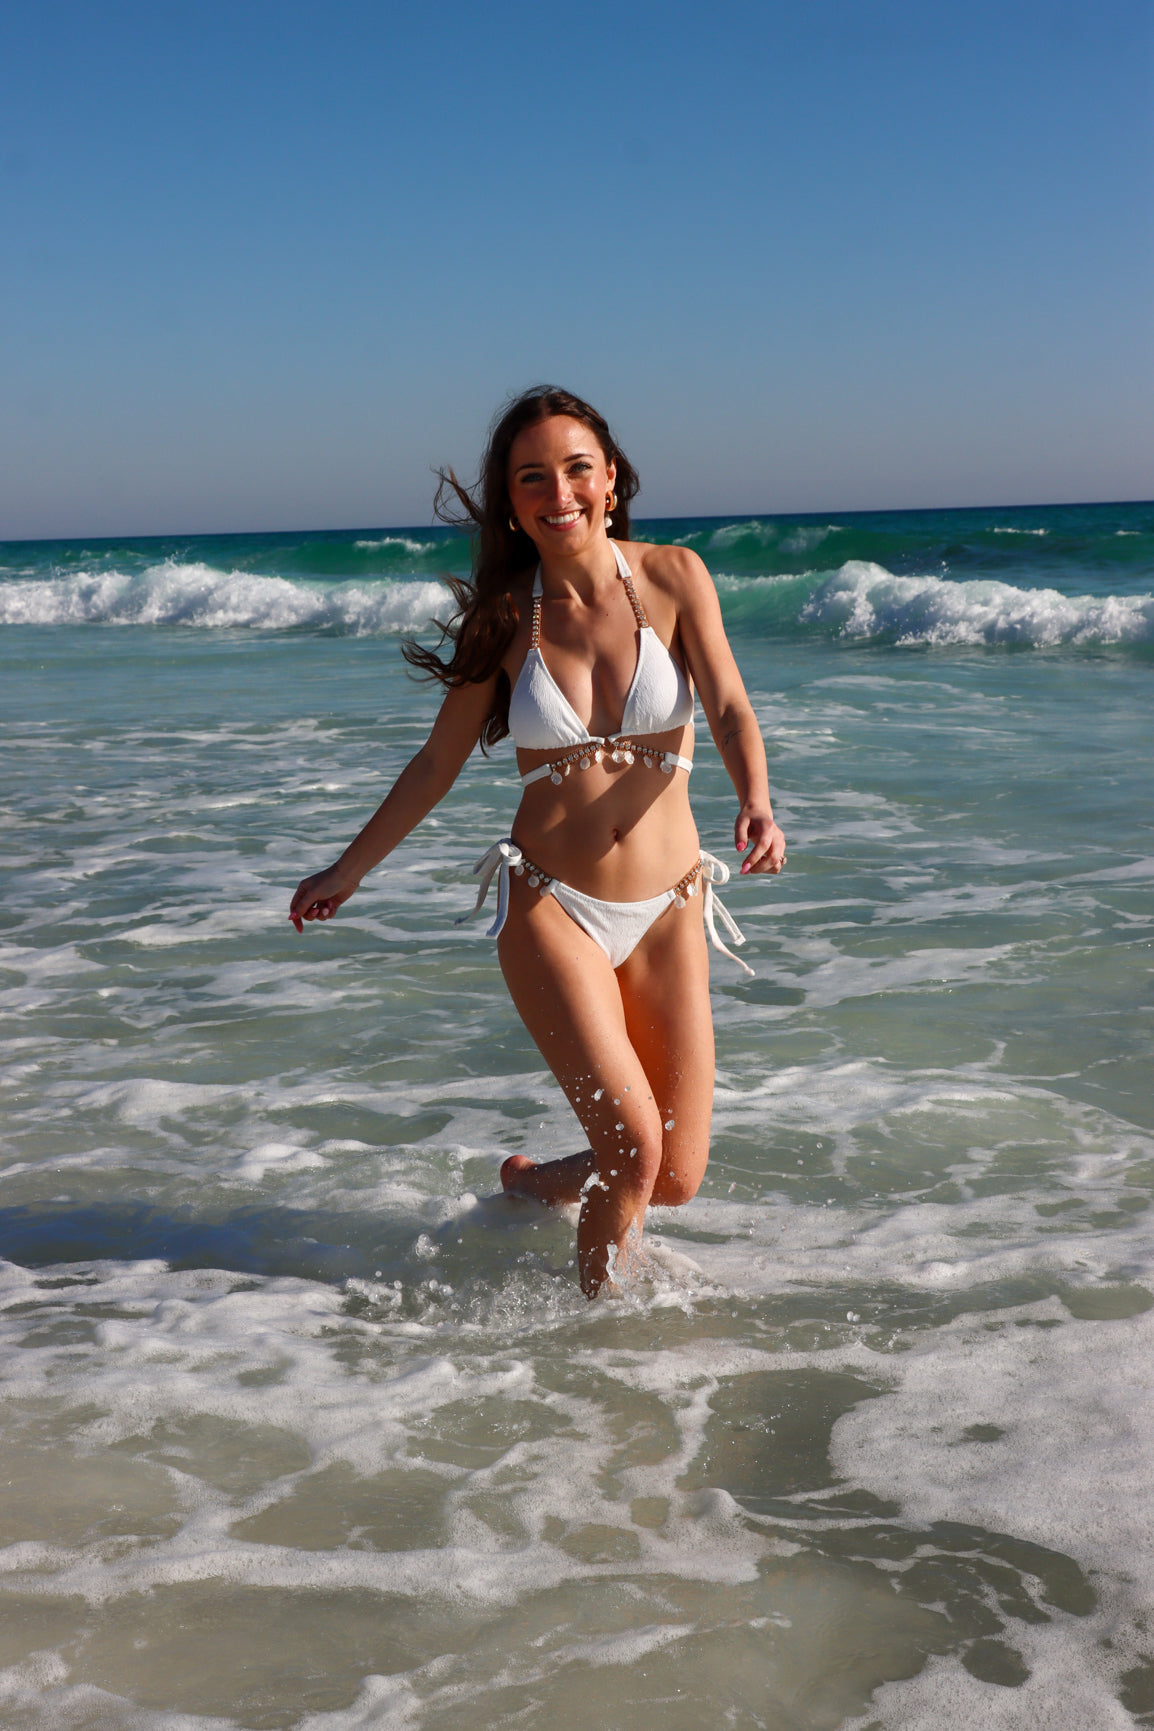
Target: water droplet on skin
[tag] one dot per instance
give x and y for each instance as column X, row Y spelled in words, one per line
column 669, row 1123
column 619, row 1126
column 597, row 1093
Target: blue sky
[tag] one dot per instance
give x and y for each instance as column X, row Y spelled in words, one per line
column 266, row 263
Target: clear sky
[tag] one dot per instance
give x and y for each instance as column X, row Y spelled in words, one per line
column 264, row 264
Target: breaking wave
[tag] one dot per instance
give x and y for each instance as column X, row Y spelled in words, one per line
column 176, row 593
column 859, row 601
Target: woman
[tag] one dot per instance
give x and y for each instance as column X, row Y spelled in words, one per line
column 583, row 646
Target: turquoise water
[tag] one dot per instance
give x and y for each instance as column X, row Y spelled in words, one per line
column 301, row 1428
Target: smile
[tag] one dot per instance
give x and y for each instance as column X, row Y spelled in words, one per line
column 563, row 520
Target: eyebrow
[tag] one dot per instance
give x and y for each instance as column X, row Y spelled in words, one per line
column 572, row 457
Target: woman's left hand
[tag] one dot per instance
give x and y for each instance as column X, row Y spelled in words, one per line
column 759, row 833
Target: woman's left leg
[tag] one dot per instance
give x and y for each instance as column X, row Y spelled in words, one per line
column 665, row 994
column 664, row 1001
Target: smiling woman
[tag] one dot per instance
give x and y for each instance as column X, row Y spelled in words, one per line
column 587, row 649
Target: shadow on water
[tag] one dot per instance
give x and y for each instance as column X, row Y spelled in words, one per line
column 306, row 1244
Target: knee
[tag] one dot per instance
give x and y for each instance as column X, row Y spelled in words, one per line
column 673, row 1188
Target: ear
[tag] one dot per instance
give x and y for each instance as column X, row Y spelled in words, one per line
column 611, row 474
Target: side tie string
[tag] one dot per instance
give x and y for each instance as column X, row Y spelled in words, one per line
column 500, row 859
column 715, row 871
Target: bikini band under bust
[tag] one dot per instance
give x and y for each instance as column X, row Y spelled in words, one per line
column 617, row 927
column 617, row 749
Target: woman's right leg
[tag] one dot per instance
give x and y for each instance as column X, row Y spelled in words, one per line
column 570, row 1001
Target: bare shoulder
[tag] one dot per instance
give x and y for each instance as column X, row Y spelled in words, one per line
column 675, row 572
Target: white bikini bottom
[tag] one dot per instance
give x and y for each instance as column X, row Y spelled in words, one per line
column 617, row 927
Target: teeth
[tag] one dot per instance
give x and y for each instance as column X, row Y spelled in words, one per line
column 565, row 517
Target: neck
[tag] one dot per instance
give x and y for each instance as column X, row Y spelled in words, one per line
column 584, row 572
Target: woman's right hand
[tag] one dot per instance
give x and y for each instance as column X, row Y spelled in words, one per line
column 318, row 897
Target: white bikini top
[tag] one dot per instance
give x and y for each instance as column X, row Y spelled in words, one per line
column 541, row 716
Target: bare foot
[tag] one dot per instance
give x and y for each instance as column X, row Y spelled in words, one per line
column 556, row 1183
column 511, row 1170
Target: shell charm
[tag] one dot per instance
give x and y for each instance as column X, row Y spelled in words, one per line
column 584, row 763
column 667, row 769
column 678, row 901
column 534, row 880
column 519, row 868
column 555, row 778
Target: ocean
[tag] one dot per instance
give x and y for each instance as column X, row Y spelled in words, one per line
column 300, row 1426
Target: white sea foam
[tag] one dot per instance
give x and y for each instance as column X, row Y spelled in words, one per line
column 1050, row 1442
column 176, row 593
column 401, row 541
column 256, row 1487
column 864, row 600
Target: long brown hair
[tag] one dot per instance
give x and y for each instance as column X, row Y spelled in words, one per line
column 486, row 618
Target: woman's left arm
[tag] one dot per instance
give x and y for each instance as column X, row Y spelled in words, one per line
column 726, row 705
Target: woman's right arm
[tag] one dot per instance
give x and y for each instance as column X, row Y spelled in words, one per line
column 424, row 781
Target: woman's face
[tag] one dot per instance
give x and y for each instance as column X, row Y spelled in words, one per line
column 558, row 484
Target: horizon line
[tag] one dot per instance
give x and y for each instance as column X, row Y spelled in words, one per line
column 686, row 517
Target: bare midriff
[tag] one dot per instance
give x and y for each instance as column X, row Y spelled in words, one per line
column 619, row 831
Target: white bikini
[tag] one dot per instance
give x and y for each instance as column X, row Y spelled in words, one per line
column 541, row 718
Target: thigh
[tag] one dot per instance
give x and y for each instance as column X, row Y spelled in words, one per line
column 571, row 1002
column 665, row 998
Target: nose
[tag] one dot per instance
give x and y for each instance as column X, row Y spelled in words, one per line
column 560, row 492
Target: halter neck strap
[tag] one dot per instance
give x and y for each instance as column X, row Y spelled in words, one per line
column 626, row 577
